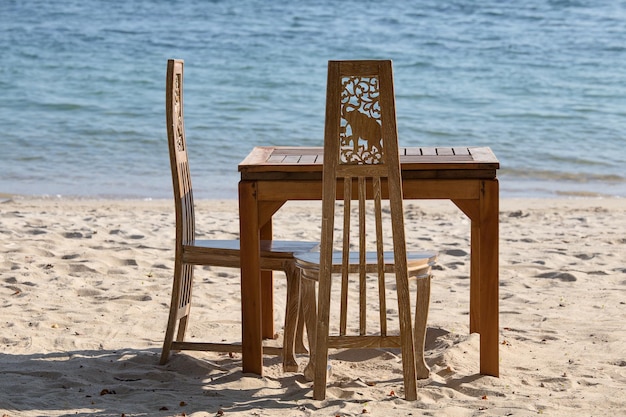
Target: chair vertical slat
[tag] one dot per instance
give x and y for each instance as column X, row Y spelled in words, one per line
column 186, row 285
column 380, row 258
column 347, row 192
column 187, row 207
column 362, row 259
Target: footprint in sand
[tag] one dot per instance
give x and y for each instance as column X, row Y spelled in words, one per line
column 78, row 268
column 455, row 252
column 556, row 384
column 563, row 276
column 86, row 292
column 73, row 235
column 130, row 235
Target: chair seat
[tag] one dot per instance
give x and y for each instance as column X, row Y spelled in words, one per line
column 226, row 252
column 419, row 263
column 268, row 247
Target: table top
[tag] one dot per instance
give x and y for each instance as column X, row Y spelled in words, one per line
column 274, row 162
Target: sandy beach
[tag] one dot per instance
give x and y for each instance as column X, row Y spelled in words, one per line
column 85, row 289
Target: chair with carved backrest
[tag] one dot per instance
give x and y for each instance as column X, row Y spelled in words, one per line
column 361, row 162
column 275, row 255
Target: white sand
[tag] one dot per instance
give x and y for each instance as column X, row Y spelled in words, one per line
column 84, row 296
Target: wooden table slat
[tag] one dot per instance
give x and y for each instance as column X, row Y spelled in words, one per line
column 429, row 151
column 445, row 152
column 458, row 151
column 275, row 159
column 292, row 159
column 308, row 159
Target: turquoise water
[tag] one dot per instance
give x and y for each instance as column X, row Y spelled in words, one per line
column 82, row 110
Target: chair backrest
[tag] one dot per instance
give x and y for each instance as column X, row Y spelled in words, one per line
column 361, row 155
column 181, row 177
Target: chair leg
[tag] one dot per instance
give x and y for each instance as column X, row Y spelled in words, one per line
column 421, row 318
column 300, row 347
column 320, row 352
column 173, row 316
column 183, row 278
column 407, row 338
column 309, row 313
column 182, row 328
column 291, row 318
column 169, row 337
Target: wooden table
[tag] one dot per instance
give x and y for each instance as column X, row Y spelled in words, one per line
column 271, row 176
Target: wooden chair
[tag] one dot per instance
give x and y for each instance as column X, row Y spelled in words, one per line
column 275, row 255
column 361, row 156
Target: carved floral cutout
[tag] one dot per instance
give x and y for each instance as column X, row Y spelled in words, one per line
column 178, row 113
column 360, row 128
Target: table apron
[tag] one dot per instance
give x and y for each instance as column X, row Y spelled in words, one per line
column 461, row 189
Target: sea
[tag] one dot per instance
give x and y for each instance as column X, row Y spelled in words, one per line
column 82, row 87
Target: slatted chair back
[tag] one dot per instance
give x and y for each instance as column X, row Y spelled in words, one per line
column 275, row 255
column 181, row 177
column 361, row 158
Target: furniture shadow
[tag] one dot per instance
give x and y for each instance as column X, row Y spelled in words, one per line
column 131, row 382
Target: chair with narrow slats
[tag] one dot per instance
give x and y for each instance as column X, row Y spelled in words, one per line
column 361, row 163
column 275, row 255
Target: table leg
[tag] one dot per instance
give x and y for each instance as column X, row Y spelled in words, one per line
column 267, row 290
column 475, row 278
column 472, row 208
column 489, row 278
column 250, row 252
column 266, row 210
